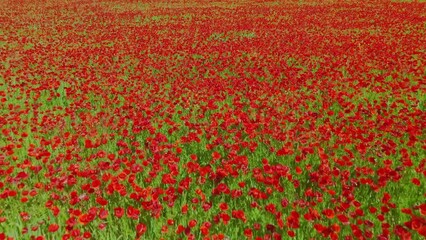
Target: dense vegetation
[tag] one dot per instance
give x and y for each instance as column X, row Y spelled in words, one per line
column 212, row 120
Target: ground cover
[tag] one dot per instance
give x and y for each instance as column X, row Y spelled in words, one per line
column 212, row 120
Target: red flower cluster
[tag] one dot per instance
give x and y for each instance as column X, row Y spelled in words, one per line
column 212, row 120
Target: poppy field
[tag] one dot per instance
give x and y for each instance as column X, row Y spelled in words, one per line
column 212, row 119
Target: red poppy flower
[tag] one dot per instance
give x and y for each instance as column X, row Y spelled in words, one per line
column 53, row 227
column 118, row 212
column 140, row 229
column 132, row 212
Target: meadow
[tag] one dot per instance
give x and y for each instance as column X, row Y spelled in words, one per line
column 212, row 119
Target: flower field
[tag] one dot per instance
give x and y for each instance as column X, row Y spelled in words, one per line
column 212, row 119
